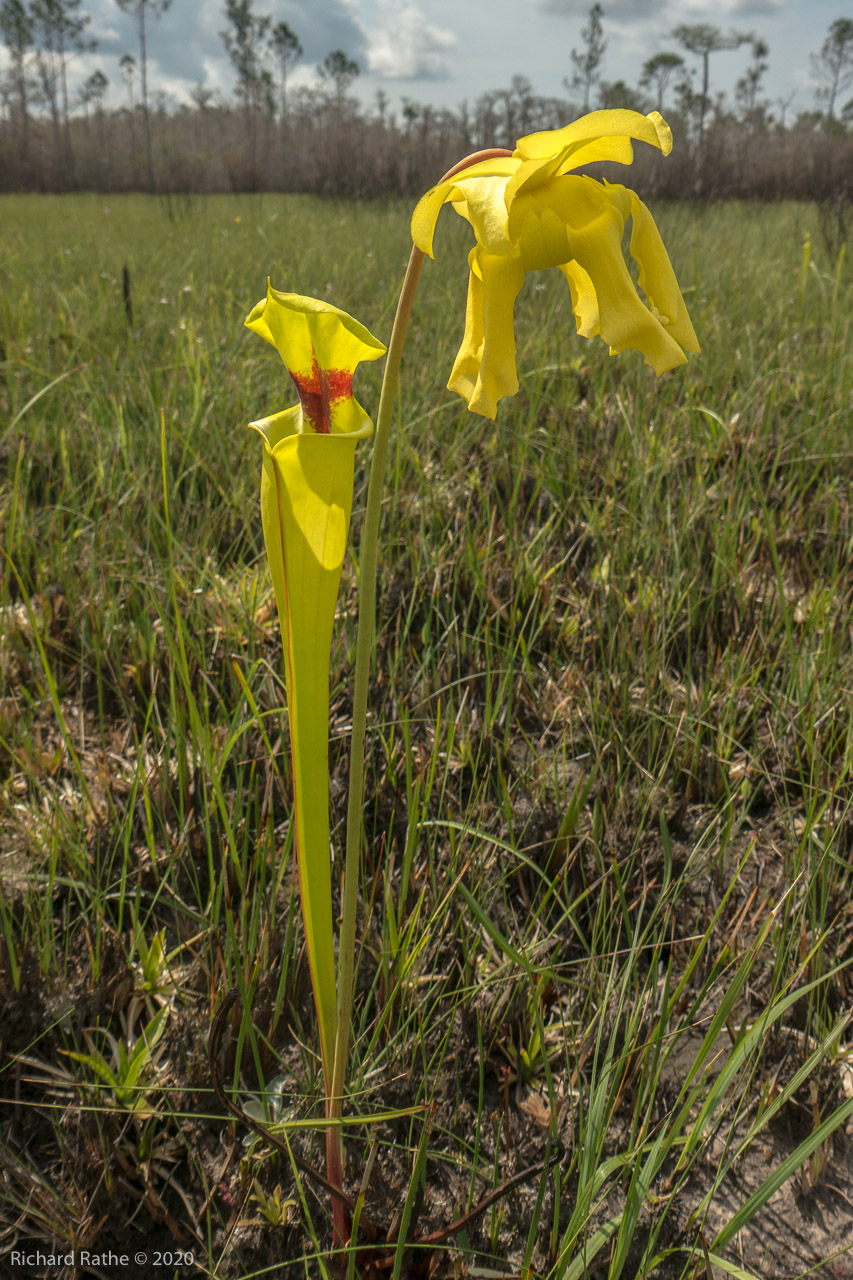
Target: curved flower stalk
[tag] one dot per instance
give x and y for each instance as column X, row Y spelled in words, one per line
column 306, row 502
column 530, row 212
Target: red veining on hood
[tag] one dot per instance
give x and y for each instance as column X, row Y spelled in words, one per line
column 318, row 391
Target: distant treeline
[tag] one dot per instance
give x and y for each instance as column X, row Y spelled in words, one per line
column 331, row 146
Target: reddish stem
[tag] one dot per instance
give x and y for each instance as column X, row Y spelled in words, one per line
column 341, row 1224
column 491, row 153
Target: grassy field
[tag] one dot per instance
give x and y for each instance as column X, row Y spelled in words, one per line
column 606, row 917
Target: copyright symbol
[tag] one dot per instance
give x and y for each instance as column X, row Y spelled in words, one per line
column 140, row 1259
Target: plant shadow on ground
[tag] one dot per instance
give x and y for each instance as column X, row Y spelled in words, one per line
column 604, row 920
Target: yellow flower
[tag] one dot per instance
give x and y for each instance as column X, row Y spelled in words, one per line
column 529, row 212
column 306, row 502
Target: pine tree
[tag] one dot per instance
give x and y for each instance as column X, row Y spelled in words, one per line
column 142, row 11
column 703, row 40
column 833, row 66
column 17, row 31
column 588, row 60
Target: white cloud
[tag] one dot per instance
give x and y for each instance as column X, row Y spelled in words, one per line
column 660, row 16
column 407, row 47
column 103, row 32
column 720, row 12
column 716, row 11
column 215, row 76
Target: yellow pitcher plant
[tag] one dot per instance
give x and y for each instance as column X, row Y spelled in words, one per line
column 529, row 211
column 306, row 502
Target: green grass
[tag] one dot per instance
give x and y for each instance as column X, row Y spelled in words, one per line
column 608, row 792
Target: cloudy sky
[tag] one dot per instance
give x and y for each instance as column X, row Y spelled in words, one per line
column 446, row 51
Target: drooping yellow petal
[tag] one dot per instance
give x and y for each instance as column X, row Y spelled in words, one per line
column 584, row 300
column 484, row 371
column 466, row 367
column 657, row 278
column 624, row 320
